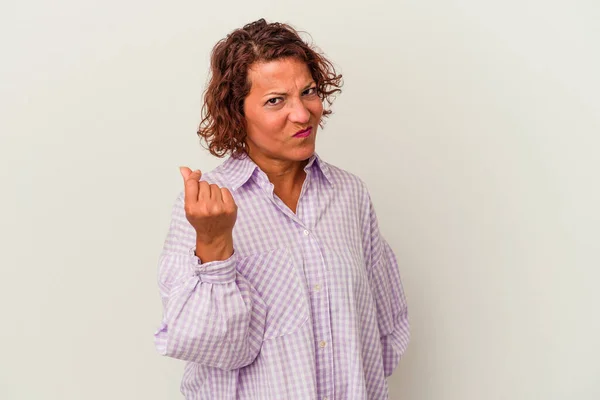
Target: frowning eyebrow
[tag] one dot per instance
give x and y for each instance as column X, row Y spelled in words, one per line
column 285, row 93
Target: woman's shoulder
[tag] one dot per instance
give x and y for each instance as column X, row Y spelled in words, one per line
column 345, row 179
column 218, row 175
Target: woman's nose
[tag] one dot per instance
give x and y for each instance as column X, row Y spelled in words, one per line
column 299, row 113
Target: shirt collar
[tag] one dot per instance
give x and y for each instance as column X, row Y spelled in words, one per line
column 240, row 170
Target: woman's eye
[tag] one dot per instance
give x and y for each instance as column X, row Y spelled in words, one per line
column 310, row 91
column 274, row 101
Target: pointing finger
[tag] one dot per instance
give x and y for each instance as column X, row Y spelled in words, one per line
column 191, row 184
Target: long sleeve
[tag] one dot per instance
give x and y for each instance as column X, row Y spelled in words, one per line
column 387, row 289
column 211, row 314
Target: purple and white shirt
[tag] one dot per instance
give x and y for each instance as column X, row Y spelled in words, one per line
column 309, row 306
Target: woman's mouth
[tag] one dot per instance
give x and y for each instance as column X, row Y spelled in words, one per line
column 303, row 133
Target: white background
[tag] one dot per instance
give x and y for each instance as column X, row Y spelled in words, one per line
column 474, row 123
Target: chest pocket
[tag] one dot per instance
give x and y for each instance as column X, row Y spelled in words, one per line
column 275, row 277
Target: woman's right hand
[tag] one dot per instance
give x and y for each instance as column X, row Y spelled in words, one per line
column 212, row 212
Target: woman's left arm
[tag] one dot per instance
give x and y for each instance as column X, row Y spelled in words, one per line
column 386, row 286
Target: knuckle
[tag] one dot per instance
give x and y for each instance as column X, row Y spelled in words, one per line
column 190, row 211
column 204, row 209
column 216, row 209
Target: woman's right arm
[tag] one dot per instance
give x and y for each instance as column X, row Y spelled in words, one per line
column 211, row 314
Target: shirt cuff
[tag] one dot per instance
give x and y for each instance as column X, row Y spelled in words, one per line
column 219, row 272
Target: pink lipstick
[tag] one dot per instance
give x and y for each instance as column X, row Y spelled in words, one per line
column 303, row 133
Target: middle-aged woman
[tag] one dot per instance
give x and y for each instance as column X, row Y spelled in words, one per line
column 275, row 279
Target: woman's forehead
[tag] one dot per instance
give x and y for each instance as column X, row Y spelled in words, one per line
column 279, row 75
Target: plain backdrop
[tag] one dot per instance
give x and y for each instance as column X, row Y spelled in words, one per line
column 474, row 123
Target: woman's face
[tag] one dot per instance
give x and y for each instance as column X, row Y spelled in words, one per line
column 283, row 100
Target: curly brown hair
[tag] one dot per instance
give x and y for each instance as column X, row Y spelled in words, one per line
column 223, row 121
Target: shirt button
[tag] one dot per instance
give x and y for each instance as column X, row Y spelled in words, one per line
column 306, row 233
column 322, row 344
column 325, row 398
column 317, row 287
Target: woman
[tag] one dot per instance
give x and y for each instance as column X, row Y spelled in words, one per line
column 275, row 280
